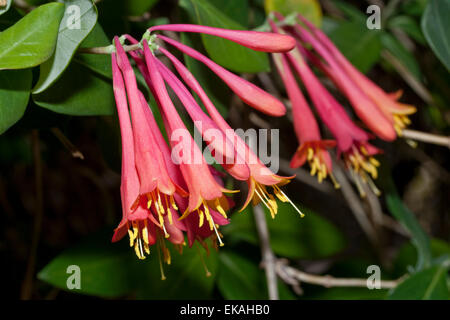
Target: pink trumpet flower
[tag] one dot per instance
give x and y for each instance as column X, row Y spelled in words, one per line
column 395, row 111
column 312, row 148
column 259, row 41
column 260, row 176
column 203, row 188
column 352, row 142
column 247, row 91
column 139, row 219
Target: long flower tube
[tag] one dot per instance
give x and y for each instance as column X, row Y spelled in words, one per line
column 312, row 148
column 203, row 189
column 247, row 91
column 352, row 142
column 260, row 176
column 222, row 148
column 259, row 41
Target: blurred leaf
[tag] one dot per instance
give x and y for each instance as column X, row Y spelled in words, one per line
column 3, row 9
column 78, row 92
column 310, row 9
column 428, row 284
column 238, row 10
column 73, row 30
column 311, row 237
column 436, row 26
column 351, row 11
column 106, row 268
column 407, row 255
column 214, row 87
column 409, row 26
column 185, row 277
column 414, row 7
column 138, row 7
column 404, row 56
column 226, row 53
column 15, row 88
column 359, row 44
column 240, row 278
column 407, row 219
column 32, row 39
column 100, row 63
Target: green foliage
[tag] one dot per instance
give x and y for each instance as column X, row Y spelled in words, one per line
column 138, row 7
column 311, row 237
column 32, row 40
column 72, row 31
column 15, row 88
column 310, row 9
column 436, row 26
column 226, row 53
column 112, row 270
column 428, row 284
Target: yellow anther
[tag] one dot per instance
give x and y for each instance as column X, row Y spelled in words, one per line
column 310, row 154
column 220, row 209
column 172, row 201
column 201, row 217
column 130, row 234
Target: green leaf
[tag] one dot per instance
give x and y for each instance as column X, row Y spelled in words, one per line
column 100, row 63
column 78, row 92
column 407, row 219
column 436, row 26
column 359, row 44
column 428, row 284
column 226, row 53
column 186, row 276
column 106, row 268
column 238, row 10
column 240, row 278
column 79, row 19
column 310, row 9
column 138, row 7
column 32, row 39
column 15, row 88
column 5, row 8
column 405, row 57
column 409, row 26
column 311, row 237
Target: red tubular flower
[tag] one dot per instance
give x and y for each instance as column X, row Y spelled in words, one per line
column 312, row 148
column 397, row 112
column 203, row 189
column 247, row 91
column 352, row 142
column 259, row 41
column 260, row 175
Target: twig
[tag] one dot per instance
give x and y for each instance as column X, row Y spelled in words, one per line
column 329, row 281
column 23, row 5
column 142, row 18
column 267, row 254
column 426, row 137
column 66, row 143
column 27, row 285
column 108, row 49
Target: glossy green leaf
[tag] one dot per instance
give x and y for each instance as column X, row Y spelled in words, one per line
column 226, row 53
column 79, row 18
column 32, row 39
column 240, row 278
column 238, row 10
column 100, row 63
column 428, row 284
column 15, row 88
column 311, row 237
column 401, row 53
column 436, row 26
column 78, row 92
column 310, row 9
column 5, row 8
column 359, row 44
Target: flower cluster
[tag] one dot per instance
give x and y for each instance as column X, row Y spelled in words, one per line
column 380, row 112
column 167, row 188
